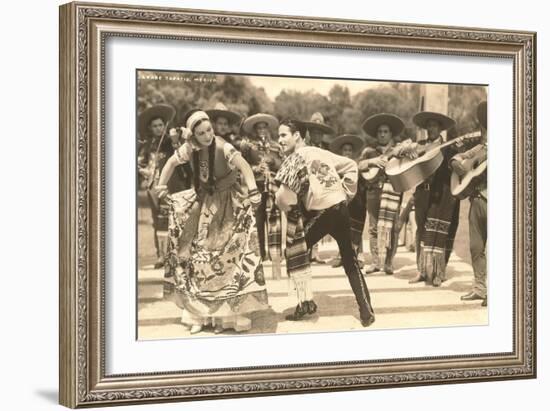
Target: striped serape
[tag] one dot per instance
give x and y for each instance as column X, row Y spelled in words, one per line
column 274, row 227
column 437, row 239
column 390, row 204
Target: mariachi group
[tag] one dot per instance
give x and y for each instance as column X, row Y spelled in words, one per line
column 220, row 185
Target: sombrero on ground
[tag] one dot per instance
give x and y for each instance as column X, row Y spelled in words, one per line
column 356, row 142
column 371, row 124
column 482, row 114
column 421, row 119
column 317, row 122
column 220, row 110
column 164, row 111
column 250, row 122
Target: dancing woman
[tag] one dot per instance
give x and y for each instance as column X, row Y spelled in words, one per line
column 213, row 251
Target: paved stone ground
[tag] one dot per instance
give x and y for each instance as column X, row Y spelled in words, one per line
column 397, row 304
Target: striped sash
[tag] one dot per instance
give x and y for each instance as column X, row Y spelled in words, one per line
column 390, row 203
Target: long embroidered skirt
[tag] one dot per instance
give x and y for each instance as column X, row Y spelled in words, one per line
column 213, row 254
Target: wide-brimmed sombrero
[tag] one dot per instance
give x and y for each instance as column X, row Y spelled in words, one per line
column 482, row 114
column 220, row 110
column 422, row 118
column 164, row 111
column 250, row 122
column 356, row 142
column 328, row 139
column 371, row 124
column 317, row 122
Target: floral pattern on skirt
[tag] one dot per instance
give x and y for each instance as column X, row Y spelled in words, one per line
column 213, row 253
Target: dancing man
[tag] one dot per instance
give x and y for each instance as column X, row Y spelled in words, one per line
column 315, row 187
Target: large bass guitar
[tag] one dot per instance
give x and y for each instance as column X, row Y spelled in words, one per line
column 405, row 173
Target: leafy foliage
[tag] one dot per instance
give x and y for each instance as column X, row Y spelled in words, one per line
column 341, row 110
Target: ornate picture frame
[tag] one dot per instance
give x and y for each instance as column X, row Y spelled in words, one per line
column 84, row 29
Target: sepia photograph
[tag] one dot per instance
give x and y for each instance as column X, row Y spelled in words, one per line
column 256, row 204
column 271, row 205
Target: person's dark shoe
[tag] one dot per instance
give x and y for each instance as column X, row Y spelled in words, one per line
column 368, row 321
column 336, row 263
column 484, row 302
column 417, row 279
column 367, row 315
column 436, row 282
column 372, row 269
column 299, row 313
column 388, row 269
column 159, row 264
column 471, row 296
column 311, row 307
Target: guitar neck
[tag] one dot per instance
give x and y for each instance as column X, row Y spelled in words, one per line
column 475, row 134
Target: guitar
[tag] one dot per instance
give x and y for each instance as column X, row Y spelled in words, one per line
column 463, row 186
column 405, row 173
column 372, row 173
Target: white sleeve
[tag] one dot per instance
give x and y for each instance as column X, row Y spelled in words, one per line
column 230, row 152
column 183, row 153
column 348, row 172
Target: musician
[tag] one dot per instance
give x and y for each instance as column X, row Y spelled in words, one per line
column 350, row 146
column 155, row 146
column 315, row 186
column 265, row 156
column 382, row 202
column 478, row 211
column 436, row 210
column 318, row 134
column 224, row 121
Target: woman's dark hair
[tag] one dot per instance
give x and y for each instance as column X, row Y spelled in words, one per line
column 195, row 158
column 295, row 126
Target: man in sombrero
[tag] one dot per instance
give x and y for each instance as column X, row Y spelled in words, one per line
column 224, row 121
column 350, row 146
column 383, row 203
column 319, row 134
column 154, row 148
column 436, row 210
column 315, row 187
column 265, row 156
column 478, row 211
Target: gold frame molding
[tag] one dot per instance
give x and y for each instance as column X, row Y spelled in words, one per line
column 84, row 28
